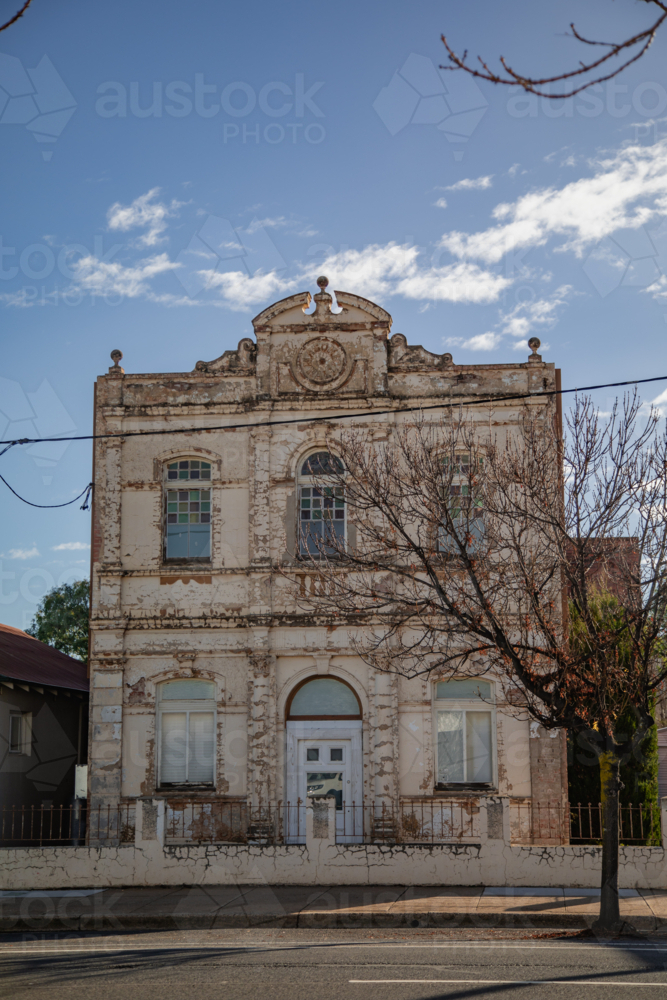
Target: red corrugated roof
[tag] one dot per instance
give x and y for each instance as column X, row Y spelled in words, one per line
column 23, row 658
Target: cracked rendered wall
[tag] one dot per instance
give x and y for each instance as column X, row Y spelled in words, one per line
column 492, row 864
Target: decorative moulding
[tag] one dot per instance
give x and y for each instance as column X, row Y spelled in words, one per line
column 403, row 357
column 238, row 362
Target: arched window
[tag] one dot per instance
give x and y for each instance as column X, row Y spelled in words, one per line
column 186, row 727
column 321, row 505
column 323, row 698
column 187, row 503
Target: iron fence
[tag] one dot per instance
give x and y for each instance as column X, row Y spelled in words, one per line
column 544, row 823
column 638, row 824
column 219, row 821
column 538, row 823
column 414, row 820
column 62, row 826
column 438, row 820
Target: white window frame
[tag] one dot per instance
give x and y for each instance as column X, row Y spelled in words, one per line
column 187, row 485
column 189, row 706
column 465, row 705
column 311, row 482
column 459, row 479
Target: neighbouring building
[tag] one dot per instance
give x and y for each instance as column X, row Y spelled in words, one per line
column 43, row 737
column 210, row 687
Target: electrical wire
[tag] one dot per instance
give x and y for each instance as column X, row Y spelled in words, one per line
column 336, row 416
column 300, row 420
column 88, row 490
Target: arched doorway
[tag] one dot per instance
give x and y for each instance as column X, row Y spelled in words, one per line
column 324, row 755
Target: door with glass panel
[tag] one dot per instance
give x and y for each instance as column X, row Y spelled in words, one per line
column 325, row 771
column 324, row 756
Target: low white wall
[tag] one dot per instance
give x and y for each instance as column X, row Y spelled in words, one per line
column 320, row 861
column 325, row 864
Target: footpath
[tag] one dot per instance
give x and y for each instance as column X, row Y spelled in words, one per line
column 323, row 907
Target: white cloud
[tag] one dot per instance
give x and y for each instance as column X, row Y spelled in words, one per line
column 482, row 342
column 268, row 223
column 519, row 322
column 534, row 314
column 626, row 191
column 239, row 291
column 100, row 277
column 454, row 283
column 143, row 213
column 440, row 203
column 20, row 299
column 22, row 553
column 71, row 547
column 374, row 272
column 659, row 403
column 471, row 184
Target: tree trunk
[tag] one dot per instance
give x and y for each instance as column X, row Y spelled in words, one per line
column 609, row 919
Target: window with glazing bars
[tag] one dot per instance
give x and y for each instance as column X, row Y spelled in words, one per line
column 188, row 511
column 321, row 507
column 465, row 505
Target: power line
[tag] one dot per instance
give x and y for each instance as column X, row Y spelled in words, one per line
column 299, row 420
column 335, row 416
column 88, row 490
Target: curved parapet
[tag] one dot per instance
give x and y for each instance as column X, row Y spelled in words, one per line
column 348, row 300
column 299, row 302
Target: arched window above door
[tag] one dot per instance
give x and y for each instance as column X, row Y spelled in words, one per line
column 323, row 698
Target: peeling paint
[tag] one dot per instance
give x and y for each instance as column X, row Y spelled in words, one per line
column 231, row 618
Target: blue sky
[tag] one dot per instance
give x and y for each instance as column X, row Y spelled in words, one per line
column 168, row 171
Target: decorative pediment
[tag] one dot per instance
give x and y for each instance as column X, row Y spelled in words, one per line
column 238, row 362
column 290, row 313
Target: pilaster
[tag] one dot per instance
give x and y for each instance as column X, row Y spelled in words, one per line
column 262, row 749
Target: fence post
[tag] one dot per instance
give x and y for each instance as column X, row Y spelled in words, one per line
column 498, row 818
column 320, row 822
column 149, row 821
column 663, row 821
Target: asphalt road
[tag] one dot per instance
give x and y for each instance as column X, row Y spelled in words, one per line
column 333, row 965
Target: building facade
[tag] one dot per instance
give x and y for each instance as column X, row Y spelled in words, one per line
column 210, row 686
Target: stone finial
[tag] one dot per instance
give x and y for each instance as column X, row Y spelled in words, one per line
column 116, row 356
column 534, row 344
column 322, row 299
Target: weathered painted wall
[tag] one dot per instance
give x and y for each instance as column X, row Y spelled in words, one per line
column 232, row 619
column 456, row 865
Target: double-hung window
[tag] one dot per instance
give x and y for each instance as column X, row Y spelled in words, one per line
column 321, row 505
column 186, row 720
column 188, row 510
column 464, row 718
column 464, row 502
column 20, row 733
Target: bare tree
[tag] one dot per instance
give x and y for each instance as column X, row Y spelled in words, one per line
column 472, row 546
column 14, row 19
column 595, row 70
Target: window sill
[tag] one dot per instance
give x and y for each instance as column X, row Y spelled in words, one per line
column 165, row 791
column 465, row 788
column 204, row 561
